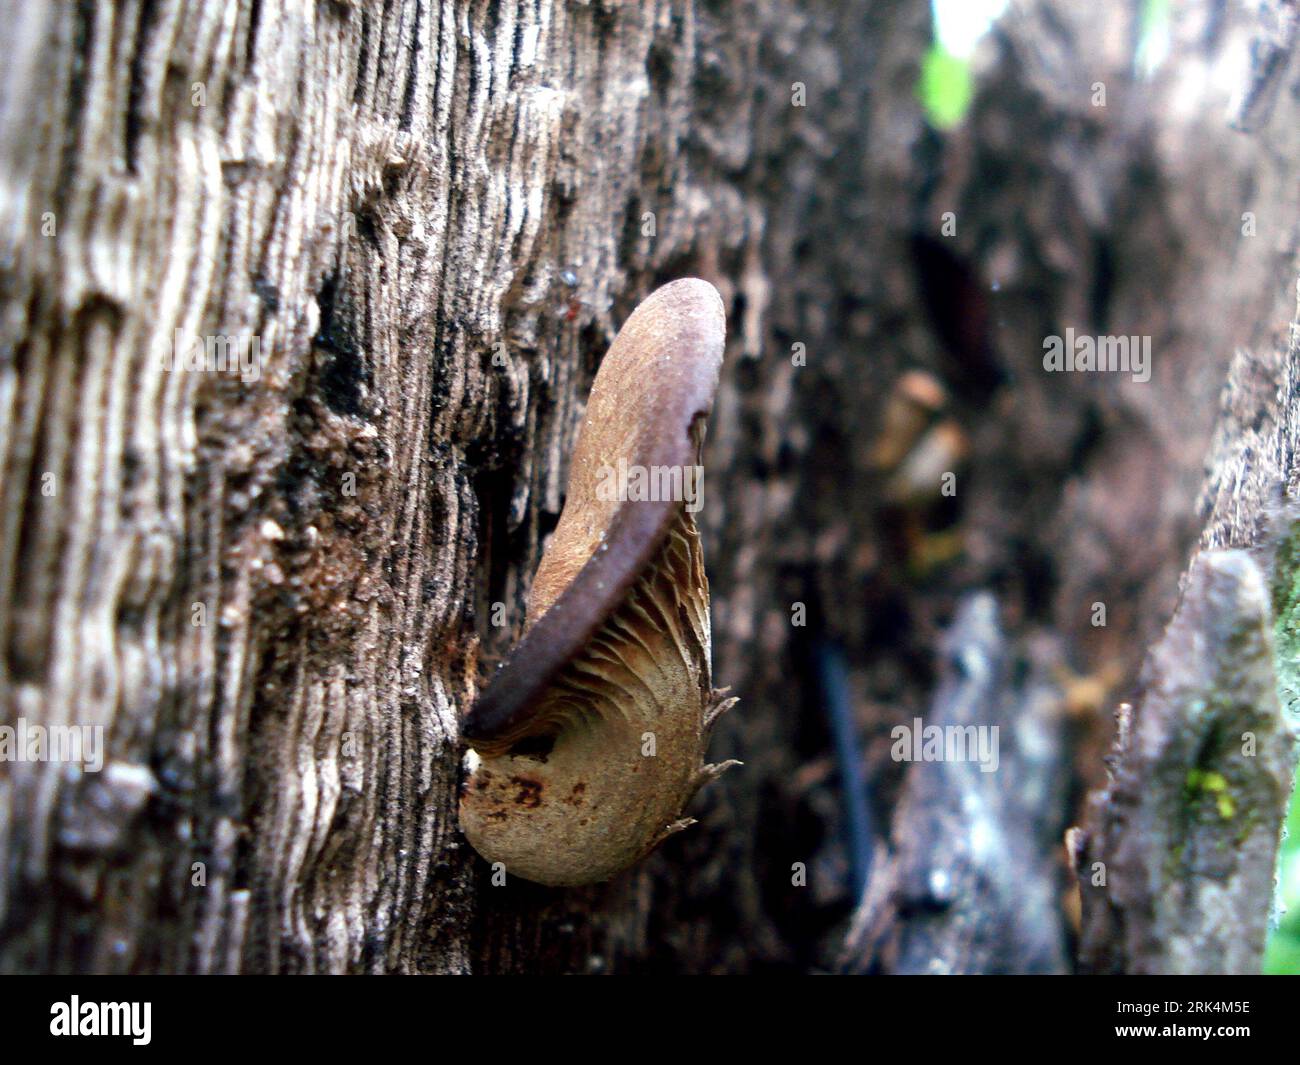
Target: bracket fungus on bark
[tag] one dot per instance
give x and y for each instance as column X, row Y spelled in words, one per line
column 590, row 739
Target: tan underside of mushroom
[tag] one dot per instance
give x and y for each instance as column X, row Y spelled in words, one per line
column 629, row 718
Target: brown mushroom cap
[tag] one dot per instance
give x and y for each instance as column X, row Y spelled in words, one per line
column 655, row 384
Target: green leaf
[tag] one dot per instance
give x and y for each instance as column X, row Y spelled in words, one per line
column 946, row 87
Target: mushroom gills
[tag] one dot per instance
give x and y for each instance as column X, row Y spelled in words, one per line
column 600, row 773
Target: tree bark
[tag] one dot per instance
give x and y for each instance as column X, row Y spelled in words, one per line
column 270, row 591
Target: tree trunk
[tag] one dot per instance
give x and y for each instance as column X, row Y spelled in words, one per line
column 275, row 587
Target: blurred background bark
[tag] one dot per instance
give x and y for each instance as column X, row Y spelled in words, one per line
column 277, row 595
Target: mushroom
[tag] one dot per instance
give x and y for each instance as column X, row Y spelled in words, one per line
column 590, row 740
